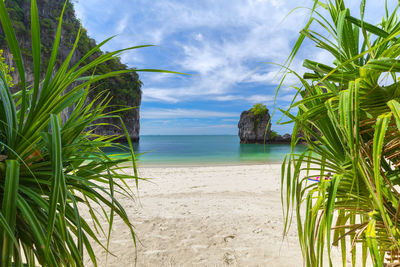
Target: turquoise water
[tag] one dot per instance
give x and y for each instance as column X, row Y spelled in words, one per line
column 206, row 149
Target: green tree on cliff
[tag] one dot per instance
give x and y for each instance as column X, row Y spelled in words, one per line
column 259, row 109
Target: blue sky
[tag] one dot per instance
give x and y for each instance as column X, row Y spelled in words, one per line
column 226, row 45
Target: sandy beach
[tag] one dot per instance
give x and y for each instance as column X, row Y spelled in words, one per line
column 205, row 216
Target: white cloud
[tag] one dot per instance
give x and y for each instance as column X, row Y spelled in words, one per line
column 198, row 37
column 160, row 113
column 224, row 43
column 261, row 98
column 228, row 38
column 122, row 24
column 180, row 95
column 159, row 95
column 273, row 74
column 228, row 97
column 288, row 98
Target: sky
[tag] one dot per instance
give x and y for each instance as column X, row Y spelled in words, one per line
column 231, row 49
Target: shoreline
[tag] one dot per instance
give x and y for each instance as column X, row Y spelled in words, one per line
column 205, row 164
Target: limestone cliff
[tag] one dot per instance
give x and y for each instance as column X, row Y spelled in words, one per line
column 254, row 129
column 125, row 89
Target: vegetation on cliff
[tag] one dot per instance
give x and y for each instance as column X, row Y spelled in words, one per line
column 124, row 89
column 6, row 70
column 259, row 109
column 349, row 114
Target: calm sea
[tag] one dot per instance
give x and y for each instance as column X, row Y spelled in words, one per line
column 205, row 149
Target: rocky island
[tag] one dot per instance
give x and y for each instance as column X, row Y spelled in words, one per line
column 255, row 127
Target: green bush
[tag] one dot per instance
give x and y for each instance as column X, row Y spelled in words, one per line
column 259, row 109
column 273, row 134
column 47, row 25
column 6, row 70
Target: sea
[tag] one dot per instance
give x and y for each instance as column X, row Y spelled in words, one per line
column 180, row 150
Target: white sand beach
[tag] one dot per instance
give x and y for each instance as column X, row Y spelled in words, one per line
column 205, row 216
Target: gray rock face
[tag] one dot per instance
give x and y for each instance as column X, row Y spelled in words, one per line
column 131, row 122
column 285, row 139
column 253, row 129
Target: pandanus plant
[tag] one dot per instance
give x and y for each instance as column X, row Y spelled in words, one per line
column 49, row 169
column 349, row 115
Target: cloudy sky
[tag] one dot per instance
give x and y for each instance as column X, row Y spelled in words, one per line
column 230, row 48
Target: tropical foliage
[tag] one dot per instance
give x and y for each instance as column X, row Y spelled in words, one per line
column 259, row 109
column 273, row 135
column 49, row 169
column 349, row 114
column 6, row 70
